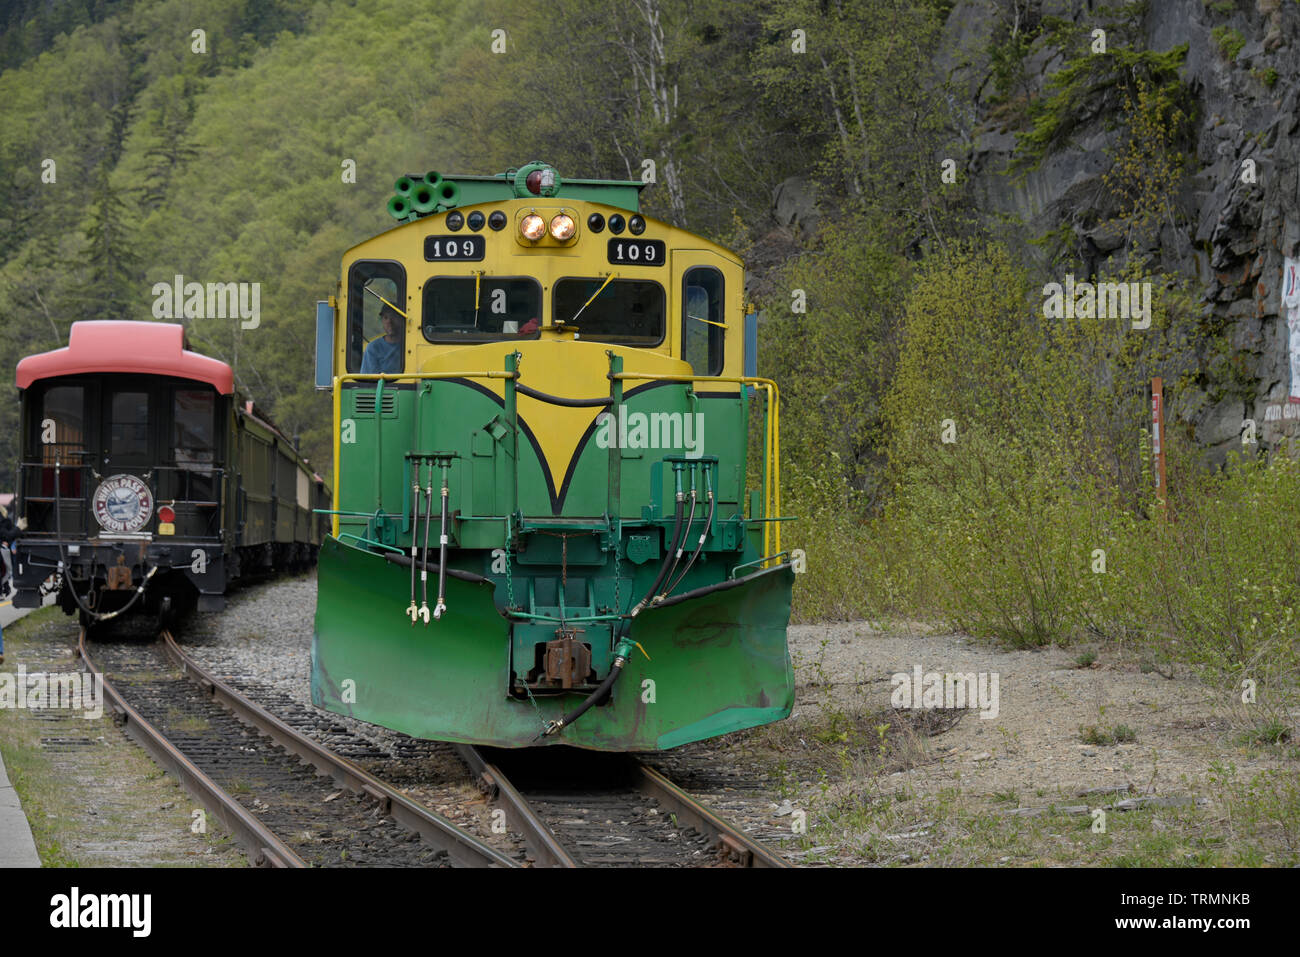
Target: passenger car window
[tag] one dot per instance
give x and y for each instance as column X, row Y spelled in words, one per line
column 64, row 406
column 192, row 427
column 128, row 431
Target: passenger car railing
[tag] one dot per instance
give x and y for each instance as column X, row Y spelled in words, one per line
column 194, row 492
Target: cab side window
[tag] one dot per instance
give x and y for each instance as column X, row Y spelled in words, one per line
column 703, row 320
column 376, row 343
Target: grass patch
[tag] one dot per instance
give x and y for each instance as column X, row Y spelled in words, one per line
column 835, row 737
column 32, row 622
column 34, row 780
column 1123, row 734
column 1272, row 731
column 1262, row 814
column 184, row 721
column 956, row 829
column 1104, row 737
column 1229, row 40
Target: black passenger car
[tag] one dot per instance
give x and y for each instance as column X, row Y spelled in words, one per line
column 146, row 482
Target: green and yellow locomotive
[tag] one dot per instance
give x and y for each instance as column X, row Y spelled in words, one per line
column 542, row 529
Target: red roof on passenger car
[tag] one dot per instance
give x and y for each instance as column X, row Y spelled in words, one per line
column 109, row 345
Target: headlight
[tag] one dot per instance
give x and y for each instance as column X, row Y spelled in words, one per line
column 533, row 227
column 562, row 227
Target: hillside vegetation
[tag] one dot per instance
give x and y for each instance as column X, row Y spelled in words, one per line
column 952, row 450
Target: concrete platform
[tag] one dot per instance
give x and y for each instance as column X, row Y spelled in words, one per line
column 8, row 613
column 17, row 849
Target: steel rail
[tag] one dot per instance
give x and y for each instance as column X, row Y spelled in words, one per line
column 548, row 851
column 742, row 848
column 263, row 847
column 540, row 840
column 464, row 849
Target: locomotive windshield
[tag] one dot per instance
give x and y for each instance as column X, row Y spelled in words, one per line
column 500, row 308
column 626, row 311
column 703, row 321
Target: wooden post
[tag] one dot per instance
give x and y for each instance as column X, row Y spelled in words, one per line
column 1158, row 440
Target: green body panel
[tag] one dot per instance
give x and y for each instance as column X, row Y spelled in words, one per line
column 492, row 189
column 454, row 417
column 717, row 663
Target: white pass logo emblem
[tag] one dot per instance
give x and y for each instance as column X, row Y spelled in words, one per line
column 122, row 503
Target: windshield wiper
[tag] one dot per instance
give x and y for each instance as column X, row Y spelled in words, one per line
column 400, row 312
column 565, row 326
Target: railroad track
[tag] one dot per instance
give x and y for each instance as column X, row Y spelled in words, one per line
column 587, row 809
column 416, row 764
column 274, row 787
column 289, row 801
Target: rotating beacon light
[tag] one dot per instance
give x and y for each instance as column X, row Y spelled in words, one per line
column 540, row 179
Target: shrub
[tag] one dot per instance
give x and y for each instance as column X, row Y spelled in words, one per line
column 1229, row 40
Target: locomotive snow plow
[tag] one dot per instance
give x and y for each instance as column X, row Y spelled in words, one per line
column 713, row 663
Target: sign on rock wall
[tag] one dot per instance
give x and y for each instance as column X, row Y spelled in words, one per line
column 1291, row 309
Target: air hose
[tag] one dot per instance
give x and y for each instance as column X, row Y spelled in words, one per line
column 428, row 520
column 704, row 534
column 622, row 650
column 668, row 556
column 441, row 606
column 681, row 543
column 412, row 610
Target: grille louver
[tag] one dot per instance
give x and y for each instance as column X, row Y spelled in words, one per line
column 365, row 403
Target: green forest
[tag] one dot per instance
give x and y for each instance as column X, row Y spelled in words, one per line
column 950, row 452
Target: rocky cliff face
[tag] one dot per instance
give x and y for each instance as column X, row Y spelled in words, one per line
column 1235, row 215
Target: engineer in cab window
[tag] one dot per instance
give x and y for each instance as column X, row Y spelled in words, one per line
column 384, row 355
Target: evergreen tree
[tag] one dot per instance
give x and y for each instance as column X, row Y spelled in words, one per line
column 111, row 286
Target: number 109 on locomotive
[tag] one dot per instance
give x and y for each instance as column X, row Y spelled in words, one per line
column 636, row 252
